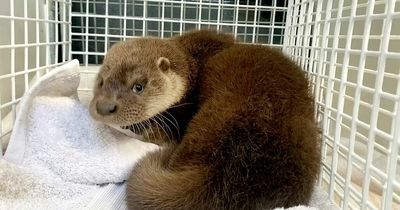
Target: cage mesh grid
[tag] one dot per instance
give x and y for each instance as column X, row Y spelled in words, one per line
column 349, row 49
column 351, row 52
column 34, row 39
column 105, row 22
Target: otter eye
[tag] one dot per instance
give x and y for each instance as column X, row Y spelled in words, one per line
column 138, row 88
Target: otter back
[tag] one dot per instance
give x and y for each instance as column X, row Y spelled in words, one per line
column 252, row 144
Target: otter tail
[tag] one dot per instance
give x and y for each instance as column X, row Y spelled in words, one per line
column 154, row 185
column 254, row 163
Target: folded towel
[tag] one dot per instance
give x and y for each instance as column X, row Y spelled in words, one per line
column 58, row 157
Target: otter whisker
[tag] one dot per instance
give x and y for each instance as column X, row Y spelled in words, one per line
column 172, row 118
column 132, row 128
column 160, row 127
column 164, row 125
column 179, row 105
column 148, row 124
column 167, row 125
column 136, row 128
column 144, row 129
column 161, row 124
column 176, row 125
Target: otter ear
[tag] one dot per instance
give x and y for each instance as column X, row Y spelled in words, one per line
column 163, row 64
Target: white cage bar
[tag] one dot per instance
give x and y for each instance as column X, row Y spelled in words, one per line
column 34, row 39
column 350, row 50
column 110, row 21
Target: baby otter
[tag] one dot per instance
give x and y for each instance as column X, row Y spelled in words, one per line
column 241, row 129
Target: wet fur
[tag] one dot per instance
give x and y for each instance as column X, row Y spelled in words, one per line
column 249, row 137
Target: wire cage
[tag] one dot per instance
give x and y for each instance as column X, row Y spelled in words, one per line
column 34, row 38
column 350, row 51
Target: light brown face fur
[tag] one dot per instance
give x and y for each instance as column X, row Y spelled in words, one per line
column 154, row 64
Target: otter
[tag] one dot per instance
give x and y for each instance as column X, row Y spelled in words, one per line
column 235, row 122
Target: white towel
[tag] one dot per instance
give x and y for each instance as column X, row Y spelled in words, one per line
column 59, row 158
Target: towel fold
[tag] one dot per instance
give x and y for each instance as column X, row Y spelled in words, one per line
column 63, row 139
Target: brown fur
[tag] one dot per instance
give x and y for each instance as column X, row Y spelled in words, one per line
column 249, row 137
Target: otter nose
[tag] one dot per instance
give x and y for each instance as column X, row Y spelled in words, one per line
column 106, row 107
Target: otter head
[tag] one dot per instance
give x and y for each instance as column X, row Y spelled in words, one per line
column 139, row 79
